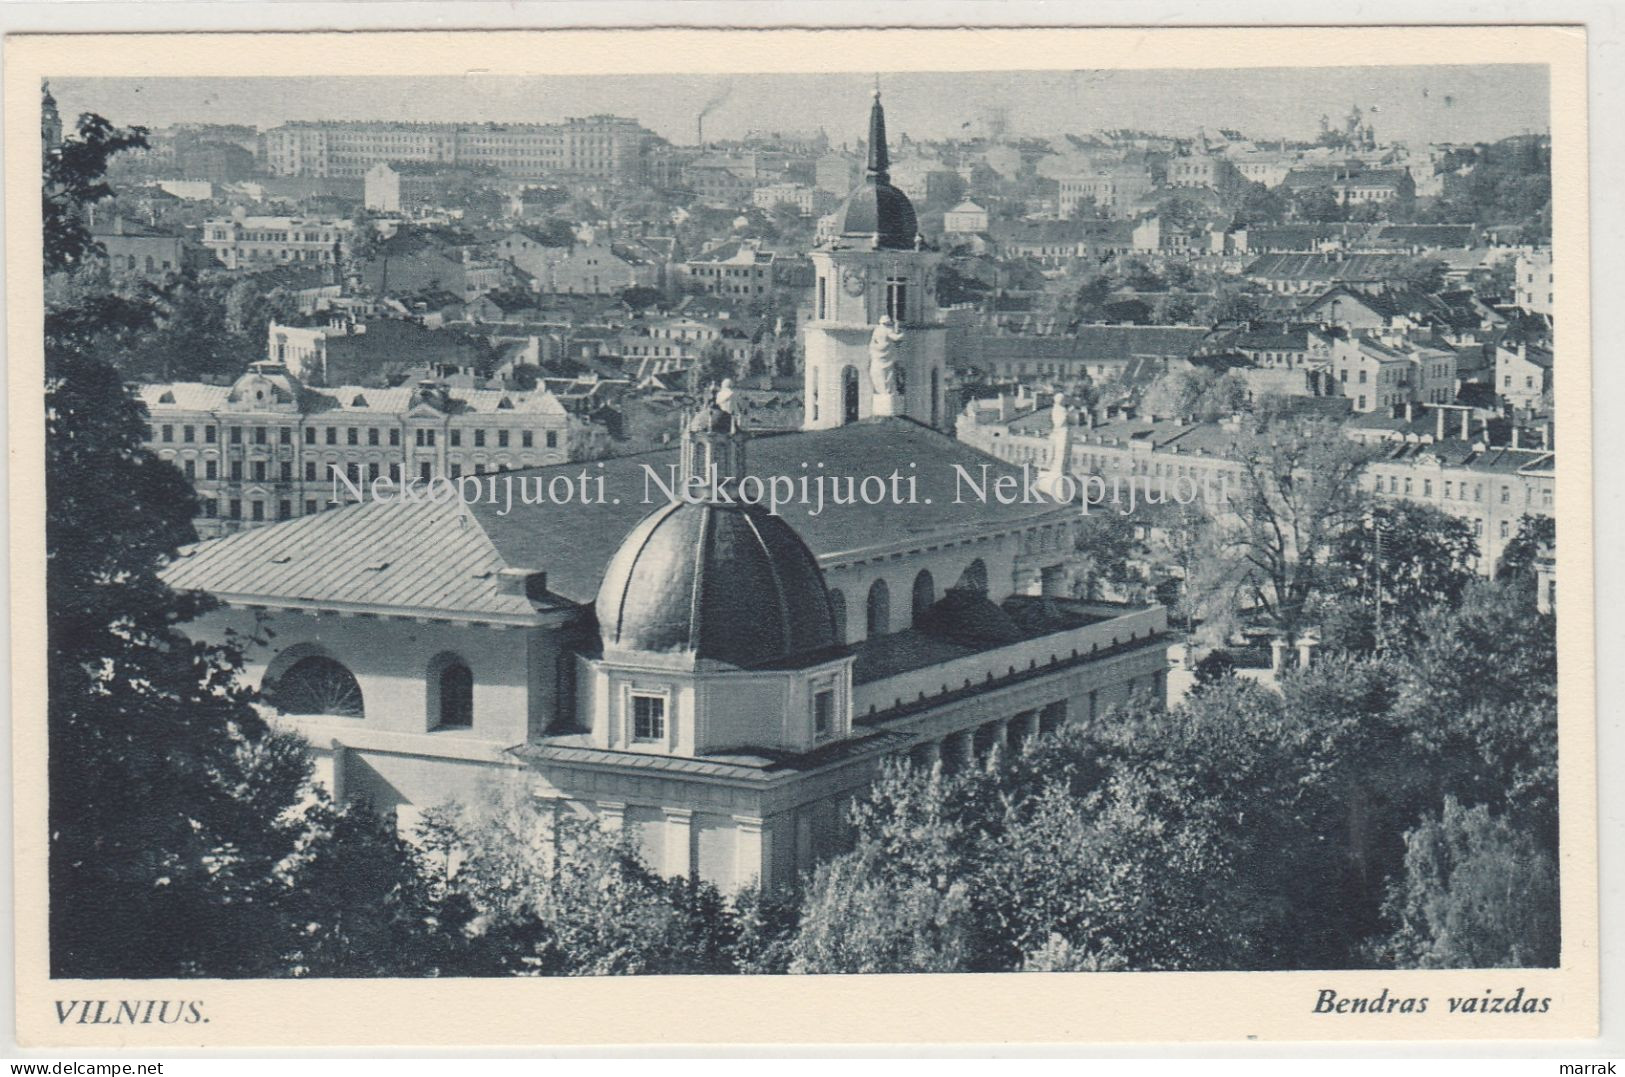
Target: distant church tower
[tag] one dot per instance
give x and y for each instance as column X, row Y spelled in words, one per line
column 50, row 121
column 875, row 345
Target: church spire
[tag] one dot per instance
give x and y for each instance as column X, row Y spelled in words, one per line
column 879, row 160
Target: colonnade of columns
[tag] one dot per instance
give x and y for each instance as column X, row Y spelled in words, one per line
column 973, row 746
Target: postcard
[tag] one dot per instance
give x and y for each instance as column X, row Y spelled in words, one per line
column 873, row 536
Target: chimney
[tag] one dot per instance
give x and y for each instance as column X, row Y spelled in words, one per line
column 1410, row 411
column 1515, row 433
column 1466, row 424
column 1547, row 437
column 1438, row 432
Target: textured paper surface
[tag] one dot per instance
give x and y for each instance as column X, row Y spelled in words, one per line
column 1035, row 1009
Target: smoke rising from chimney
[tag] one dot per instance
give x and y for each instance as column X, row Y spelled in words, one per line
column 717, row 100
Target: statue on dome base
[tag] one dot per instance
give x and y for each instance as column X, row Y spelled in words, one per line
column 884, row 374
column 1054, row 480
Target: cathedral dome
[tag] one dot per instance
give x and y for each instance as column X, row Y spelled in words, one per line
column 730, row 584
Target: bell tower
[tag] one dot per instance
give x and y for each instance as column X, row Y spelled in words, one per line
column 876, row 345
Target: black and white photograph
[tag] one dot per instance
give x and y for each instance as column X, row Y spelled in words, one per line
column 789, row 524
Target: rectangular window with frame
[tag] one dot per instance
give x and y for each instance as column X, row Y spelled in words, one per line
column 648, row 718
column 823, row 713
column 897, row 299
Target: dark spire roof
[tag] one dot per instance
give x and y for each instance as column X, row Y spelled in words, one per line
column 879, row 159
column 877, row 214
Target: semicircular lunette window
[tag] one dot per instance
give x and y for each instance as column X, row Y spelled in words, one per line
column 317, row 685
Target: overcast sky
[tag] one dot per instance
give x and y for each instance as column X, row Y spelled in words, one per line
column 1412, row 104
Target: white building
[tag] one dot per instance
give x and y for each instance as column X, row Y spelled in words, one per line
column 1532, row 282
column 967, row 218
column 244, row 242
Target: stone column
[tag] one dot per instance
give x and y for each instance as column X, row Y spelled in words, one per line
column 1306, row 652
column 612, row 815
column 928, row 754
column 753, row 853
column 1278, row 649
column 1030, row 726
column 679, row 853
column 336, row 783
column 804, row 842
column 965, row 749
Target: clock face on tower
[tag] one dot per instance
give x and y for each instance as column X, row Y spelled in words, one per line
column 854, row 280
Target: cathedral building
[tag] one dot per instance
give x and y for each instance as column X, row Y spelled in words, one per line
column 716, row 677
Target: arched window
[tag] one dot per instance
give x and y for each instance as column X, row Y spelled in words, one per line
column 837, row 608
column 849, row 395
column 456, row 696
column 879, row 612
column 925, row 593
column 316, row 685
column 974, row 578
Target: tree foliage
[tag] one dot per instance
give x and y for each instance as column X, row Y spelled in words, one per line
column 73, row 181
column 1477, row 893
column 185, row 838
column 556, row 894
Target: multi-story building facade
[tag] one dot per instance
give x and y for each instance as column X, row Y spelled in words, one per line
column 737, row 269
column 605, row 147
column 270, row 448
column 1116, row 192
column 1490, row 486
column 244, row 242
column 141, row 250
column 1203, row 170
column 1523, row 375
column 809, row 201
column 1532, row 288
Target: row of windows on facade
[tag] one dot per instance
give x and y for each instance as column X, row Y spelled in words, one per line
column 318, row 685
column 877, row 605
column 649, row 716
column 1451, row 489
column 896, row 299
column 260, row 471
column 850, row 394
column 153, row 264
column 425, row 438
